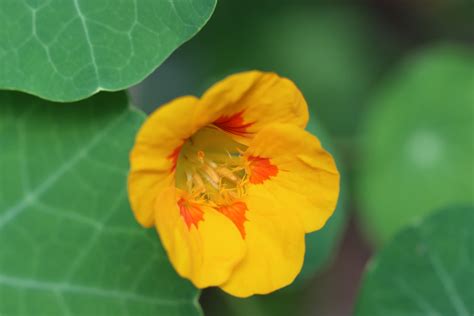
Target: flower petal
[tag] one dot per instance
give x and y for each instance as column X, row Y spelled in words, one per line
column 203, row 246
column 244, row 103
column 154, row 155
column 275, row 247
column 306, row 178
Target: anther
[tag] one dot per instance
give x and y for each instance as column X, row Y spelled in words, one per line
column 189, row 181
column 199, row 186
column 201, row 155
column 214, row 183
column 226, row 173
column 212, row 164
column 211, row 173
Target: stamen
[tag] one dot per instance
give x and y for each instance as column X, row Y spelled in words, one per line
column 211, row 173
column 216, row 181
column 211, row 181
column 199, row 186
column 201, row 155
column 230, row 194
column 212, row 164
column 226, row 173
column 189, row 181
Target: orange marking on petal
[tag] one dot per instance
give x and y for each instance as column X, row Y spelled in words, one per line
column 191, row 212
column 234, row 124
column 261, row 169
column 236, row 213
column 174, row 157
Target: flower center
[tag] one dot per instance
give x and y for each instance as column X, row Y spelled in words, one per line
column 211, row 168
column 215, row 181
column 212, row 171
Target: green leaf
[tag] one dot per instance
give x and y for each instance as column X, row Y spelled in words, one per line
column 69, row 244
column 280, row 303
column 329, row 52
column 427, row 269
column 69, row 50
column 418, row 147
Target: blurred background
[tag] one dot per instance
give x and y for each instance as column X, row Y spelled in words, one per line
column 390, row 85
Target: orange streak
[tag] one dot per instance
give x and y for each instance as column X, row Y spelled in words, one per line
column 234, row 124
column 191, row 213
column 174, row 157
column 236, row 213
column 261, row 169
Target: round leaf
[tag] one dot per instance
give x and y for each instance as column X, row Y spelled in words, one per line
column 69, row 50
column 69, row 244
column 418, row 145
column 329, row 52
column 427, row 269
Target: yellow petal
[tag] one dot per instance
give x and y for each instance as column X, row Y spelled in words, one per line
column 205, row 250
column 244, row 103
column 153, row 157
column 306, row 178
column 275, row 247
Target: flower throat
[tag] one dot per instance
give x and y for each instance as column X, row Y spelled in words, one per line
column 211, row 177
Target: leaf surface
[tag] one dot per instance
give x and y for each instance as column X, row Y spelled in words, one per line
column 69, row 244
column 68, row 50
column 427, row 269
column 418, row 143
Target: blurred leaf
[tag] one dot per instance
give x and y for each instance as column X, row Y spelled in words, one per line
column 69, row 50
column 280, row 303
column 329, row 52
column 419, row 142
column 427, row 269
column 69, row 242
column 450, row 19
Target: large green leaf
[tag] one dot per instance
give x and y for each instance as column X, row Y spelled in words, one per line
column 419, row 146
column 68, row 50
column 426, row 270
column 69, row 244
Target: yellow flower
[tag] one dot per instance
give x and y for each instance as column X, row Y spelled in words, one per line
column 232, row 183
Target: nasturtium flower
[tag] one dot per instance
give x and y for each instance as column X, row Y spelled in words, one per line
column 233, row 182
